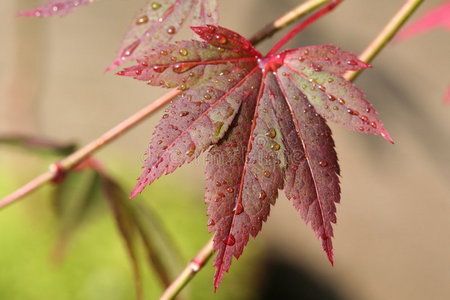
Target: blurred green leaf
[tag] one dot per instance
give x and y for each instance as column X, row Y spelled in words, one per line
column 74, row 201
column 38, row 145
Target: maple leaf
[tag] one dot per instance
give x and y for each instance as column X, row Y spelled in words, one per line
column 439, row 16
column 158, row 21
column 55, row 7
column 263, row 120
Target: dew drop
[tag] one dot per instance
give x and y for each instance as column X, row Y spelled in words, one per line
column 138, row 72
column 238, row 209
column 352, row 112
column 364, row 118
column 262, row 195
column 267, row 174
column 229, row 240
column 321, row 87
column 335, row 108
column 220, row 39
column 271, row 133
column 301, row 59
column 230, row 189
column 183, row 52
column 207, row 96
column 373, row 124
column 341, row 101
column 275, row 147
column 155, row 5
column 57, row 7
column 211, row 222
column 163, row 52
column 218, row 184
column 183, row 87
column 323, row 163
column 165, row 116
column 331, row 97
column 142, row 20
column 351, row 62
column 191, row 150
column 171, row 30
column 183, row 67
column 159, row 68
column 184, row 113
column 317, row 68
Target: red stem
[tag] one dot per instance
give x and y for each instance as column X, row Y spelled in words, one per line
column 314, row 17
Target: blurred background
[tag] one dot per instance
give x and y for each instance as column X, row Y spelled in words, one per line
column 392, row 238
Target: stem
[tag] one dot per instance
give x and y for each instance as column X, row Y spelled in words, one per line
column 189, row 272
column 292, row 15
column 314, row 17
column 386, row 34
column 75, row 158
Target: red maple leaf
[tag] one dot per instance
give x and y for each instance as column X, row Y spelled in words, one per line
column 263, row 120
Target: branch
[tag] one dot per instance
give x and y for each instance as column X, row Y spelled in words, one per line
column 289, row 17
column 189, row 272
column 386, row 34
column 72, row 160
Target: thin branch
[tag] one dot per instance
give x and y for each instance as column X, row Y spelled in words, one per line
column 292, row 15
column 75, row 158
column 386, row 34
column 314, row 17
column 189, row 272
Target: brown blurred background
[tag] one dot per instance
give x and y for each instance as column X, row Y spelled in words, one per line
column 392, row 237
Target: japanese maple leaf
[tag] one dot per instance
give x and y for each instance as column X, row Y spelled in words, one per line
column 55, row 7
column 436, row 17
column 158, row 21
column 262, row 118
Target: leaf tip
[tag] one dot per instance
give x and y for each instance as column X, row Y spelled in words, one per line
column 136, row 190
column 29, row 13
column 384, row 134
column 327, row 246
column 217, row 279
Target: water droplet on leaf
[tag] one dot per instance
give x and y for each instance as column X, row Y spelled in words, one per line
column 262, row 195
column 271, row 133
column 155, row 5
column 142, row 20
column 171, row 30
column 230, row 240
column 239, row 209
